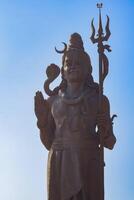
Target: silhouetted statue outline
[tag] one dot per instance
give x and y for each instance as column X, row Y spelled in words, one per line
column 75, row 123
column 67, row 121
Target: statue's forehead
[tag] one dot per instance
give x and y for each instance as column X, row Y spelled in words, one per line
column 73, row 54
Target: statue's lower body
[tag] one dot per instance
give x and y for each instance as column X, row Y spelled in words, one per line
column 73, row 174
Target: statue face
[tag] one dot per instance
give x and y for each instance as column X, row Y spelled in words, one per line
column 74, row 69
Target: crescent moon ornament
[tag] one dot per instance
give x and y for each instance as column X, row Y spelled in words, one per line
column 62, row 51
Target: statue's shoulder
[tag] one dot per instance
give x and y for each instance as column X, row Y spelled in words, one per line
column 105, row 98
column 92, row 94
column 105, row 102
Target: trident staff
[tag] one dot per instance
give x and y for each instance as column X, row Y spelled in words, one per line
column 103, row 72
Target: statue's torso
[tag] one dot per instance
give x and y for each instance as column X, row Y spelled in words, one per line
column 75, row 145
column 75, row 119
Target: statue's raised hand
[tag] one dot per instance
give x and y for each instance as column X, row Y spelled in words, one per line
column 41, row 109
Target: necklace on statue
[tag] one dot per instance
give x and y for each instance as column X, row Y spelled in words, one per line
column 74, row 100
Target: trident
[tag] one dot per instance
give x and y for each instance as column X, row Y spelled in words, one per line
column 103, row 72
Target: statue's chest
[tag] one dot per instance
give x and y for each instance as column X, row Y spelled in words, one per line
column 76, row 115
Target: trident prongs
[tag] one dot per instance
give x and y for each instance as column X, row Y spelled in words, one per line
column 93, row 39
column 108, row 33
column 100, row 35
column 100, row 29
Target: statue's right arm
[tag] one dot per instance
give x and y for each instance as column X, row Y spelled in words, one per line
column 45, row 121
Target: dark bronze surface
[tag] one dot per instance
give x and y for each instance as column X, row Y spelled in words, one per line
column 70, row 121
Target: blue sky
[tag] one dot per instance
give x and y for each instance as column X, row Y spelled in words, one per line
column 29, row 30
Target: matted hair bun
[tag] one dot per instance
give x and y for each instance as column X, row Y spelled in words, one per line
column 76, row 42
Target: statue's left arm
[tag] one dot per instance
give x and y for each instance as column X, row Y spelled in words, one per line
column 105, row 121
